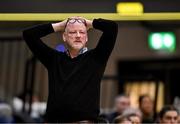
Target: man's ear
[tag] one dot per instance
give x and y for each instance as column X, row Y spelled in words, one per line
column 64, row 36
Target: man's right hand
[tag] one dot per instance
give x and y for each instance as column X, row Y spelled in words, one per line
column 59, row 26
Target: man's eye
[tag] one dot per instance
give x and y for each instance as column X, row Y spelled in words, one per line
column 72, row 32
column 168, row 118
column 82, row 32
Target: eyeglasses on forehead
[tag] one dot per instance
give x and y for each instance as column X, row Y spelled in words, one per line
column 73, row 20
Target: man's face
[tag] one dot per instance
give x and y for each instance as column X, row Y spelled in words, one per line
column 147, row 105
column 170, row 117
column 75, row 35
column 122, row 103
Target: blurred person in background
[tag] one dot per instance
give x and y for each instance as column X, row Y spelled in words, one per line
column 74, row 75
column 22, row 116
column 176, row 104
column 37, row 109
column 121, row 103
column 122, row 120
column 129, row 115
column 6, row 113
column 134, row 119
column 146, row 107
column 168, row 115
column 133, row 114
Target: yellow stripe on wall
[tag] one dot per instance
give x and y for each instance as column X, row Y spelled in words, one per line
column 111, row 16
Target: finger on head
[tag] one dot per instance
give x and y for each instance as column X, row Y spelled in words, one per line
column 77, row 17
column 74, row 17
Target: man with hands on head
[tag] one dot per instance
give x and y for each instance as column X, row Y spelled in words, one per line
column 74, row 75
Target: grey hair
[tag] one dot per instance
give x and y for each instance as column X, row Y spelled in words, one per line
column 121, row 96
column 132, row 111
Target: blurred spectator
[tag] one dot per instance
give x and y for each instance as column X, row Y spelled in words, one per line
column 176, row 103
column 6, row 115
column 122, row 102
column 37, row 110
column 131, row 110
column 133, row 114
column 146, row 107
column 121, row 120
column 135, row 119
column 19, row 115
column 17, row 104
column 168, row 115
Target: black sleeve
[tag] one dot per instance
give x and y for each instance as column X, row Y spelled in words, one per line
column 40, row 50
column 108, row 38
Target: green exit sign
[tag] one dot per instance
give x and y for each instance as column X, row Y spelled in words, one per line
column 162, row 41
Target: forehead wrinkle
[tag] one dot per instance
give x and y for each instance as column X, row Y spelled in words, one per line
column 75, row 25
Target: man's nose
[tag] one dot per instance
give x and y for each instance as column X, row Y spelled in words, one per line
column 173, row 121
column 78, row 34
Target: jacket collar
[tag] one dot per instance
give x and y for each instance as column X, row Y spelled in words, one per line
column 83, row 50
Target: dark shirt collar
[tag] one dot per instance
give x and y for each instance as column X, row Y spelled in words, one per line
column 83, row 50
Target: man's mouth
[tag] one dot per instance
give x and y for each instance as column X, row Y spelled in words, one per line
column 77, row 41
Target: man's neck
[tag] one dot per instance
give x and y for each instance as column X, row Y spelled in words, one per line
column 74, row 53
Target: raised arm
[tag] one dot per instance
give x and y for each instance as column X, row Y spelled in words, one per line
column 59, row 26
column 108, row 38
column 33, row 36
